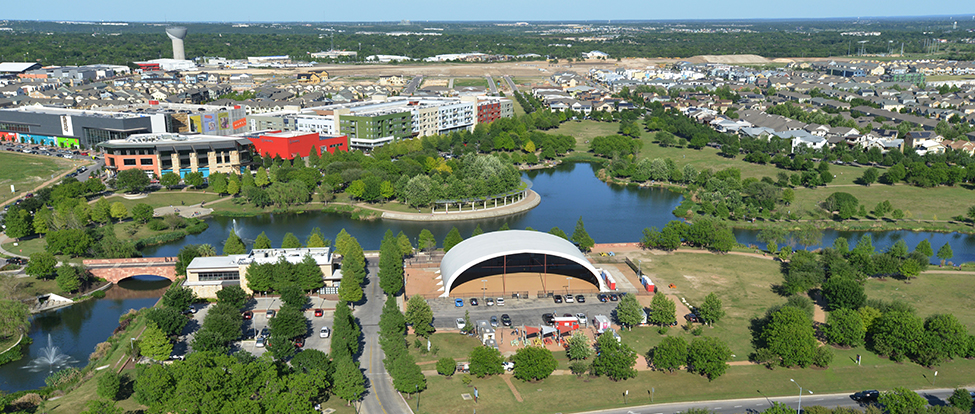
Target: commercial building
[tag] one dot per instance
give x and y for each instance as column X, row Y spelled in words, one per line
column 163, row 153
column 74, row 128
column 206, row 275
column 292, row 144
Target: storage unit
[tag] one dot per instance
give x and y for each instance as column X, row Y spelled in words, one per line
column 648, row 284
column 608, row 278
column 601, row 323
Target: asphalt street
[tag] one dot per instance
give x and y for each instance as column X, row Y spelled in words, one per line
column 754, row 405
column 492, row 85
column 412, row 86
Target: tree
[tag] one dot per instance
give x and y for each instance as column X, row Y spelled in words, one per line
column 945, row 253
column 290, row 241
column 579, row 347
column 708, row 356
column 41, row 265
column 910, row 268
column 870, row 176
column 178, row 297
column 486, row 361
column 233, row 296
column 710, row 311
column 419, row 315
column 14, row 318
column 581, row 237
column 101, row 212
column 349, row 382
column 262, row 241
column 844, row 293
column 961, row 399
column 142, row 213
column 789, row 334
column 350, row 290
column 897, row 334
column 924, row 247
column 218, row 183
column 289, row 323
column 615, row 359
column 948, row 336
column 261, row 179
column 902, row 401
column 555, row 231
column 233, row 245
column 452, row 239
column 132, row 180
column 405, row 246
column 629, row 312
column 169, row 180
column 446, row 366
column 67, row 279
column 18, row 223
column 109, row 384
column 154, row 343
column 317, row 239
column 170, row 320
column 844, row 327
column 670, row 354
column 663, row 311
column 533, row 363
column 426, row 240
column 118, row 211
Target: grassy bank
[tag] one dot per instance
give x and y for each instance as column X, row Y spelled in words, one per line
column 26, row 171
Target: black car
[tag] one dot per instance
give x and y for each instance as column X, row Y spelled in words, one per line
column 691, row 317
column 548, row 319
column 866, row 396
column 505, row 319
column 557, row 298
column 602, row 297
column 473, row 301
column 580, row 299
column 613, row 297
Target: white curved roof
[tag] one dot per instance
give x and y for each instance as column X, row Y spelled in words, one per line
column 500, row 243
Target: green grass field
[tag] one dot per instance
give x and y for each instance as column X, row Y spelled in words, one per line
column 470, row 81
column 452, row 345
column 931, row 293
column 165, row 198
column 939, row 203
column 27, row 171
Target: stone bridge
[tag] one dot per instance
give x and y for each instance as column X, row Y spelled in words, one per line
column 114, row 270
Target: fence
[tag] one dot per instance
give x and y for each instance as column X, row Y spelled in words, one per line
column 633, row 266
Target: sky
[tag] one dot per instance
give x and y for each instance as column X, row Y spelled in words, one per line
column 467, row 10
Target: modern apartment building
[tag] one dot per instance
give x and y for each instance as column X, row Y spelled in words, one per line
column 182, row 154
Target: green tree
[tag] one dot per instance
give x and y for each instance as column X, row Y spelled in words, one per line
column 218, row 183
column 629, row 312
column 132, row 180
column 349, row 290
column 924, row 247
column 390, row 265
column 426, row 241
column 233, row 296
column 356, row 189
column 142, row 212
column 317, row 239
column 897, row 334
column 68, row 278
column 349, row 382
column 555, row 231
column 615, row 359
column 290, row 241
column 452, row 239
column 910, row 268
column 405, row 246
column 945, row 253
column 663, row 311
column 18, row 223
column 41, row 265
column 961, row 399
column 154, row 343
column 581, row 237
column 870, row 176
column 419, row 315
column 101, row 212
column 233, row 245
column 118, row 211
column 789, row 334
column 14, row 318
column 233, row 185
column 289, row 323
column 902, row 401
column 670, row 354
column 947, row 334
column 844, row 327
column 169, row 180
column 109, row 384
column 446, row 366
column 477, row 230
column 844, row 293
column 708, row 356
column 579, row 347
column 170, row 320
column 710, row 311
column 262, row 241
column 485, row 361
column 178, row 297
column 533, row 363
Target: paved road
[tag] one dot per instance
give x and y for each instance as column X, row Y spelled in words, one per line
column 381, row 397
column 412, row 86
column 511, row 83
column 492, row 85
column 754, row 405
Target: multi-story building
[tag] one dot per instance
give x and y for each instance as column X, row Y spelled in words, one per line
column 490, row 109
column 182, row 154
column 74, row 128
column 291, row 144
column 206, row 275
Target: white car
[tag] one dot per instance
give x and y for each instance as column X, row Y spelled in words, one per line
column 508, row 366
column 489, row 302
column 582, row 319
column 500, row 301
column 324, row 332
column 569, row 299
column 260, row 342
column 461, row 324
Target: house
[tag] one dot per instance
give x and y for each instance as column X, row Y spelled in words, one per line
column 803, row 139
column 314, row 77
column 924, row 142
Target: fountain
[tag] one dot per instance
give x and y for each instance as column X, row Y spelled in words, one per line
column 235, row 229
column 51, row 358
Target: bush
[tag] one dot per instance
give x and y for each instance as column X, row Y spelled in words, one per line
column 446, row 366
column 823, row 356
column 697, row 331
column 101, row 350
column 578, row 368
column 108, row 385
column 62, row 377
column 157, row 225
column 98, row 294
column 467, row 379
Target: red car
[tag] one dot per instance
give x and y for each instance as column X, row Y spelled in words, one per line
column 300, row 342
column 319, row 313
column 248, row 315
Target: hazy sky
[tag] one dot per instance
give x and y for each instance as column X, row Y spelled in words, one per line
column 466, row 10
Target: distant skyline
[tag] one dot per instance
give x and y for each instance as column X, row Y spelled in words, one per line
column 453, row 10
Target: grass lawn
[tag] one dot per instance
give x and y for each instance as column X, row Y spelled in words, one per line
column 26, row 171
column 939, row 203
column 167, row 198
column 930, row 293
column 452, row 345
column 8, row 342
column 470, row 81
column 937, row 78
column 519, row 111
column 585, row 130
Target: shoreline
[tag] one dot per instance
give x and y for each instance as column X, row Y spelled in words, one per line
column 530, row 201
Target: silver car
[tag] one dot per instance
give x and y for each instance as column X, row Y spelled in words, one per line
column 324, row 332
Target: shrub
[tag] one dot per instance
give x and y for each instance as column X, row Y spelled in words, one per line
column 446, row 366
column 62, row 377
column 98, row 294
column 101, row 350
column 158, row 225
column 467, row 379
column 27, row 403
column 697, row 331
column 108, row 385
column 578, row 368
column 418, row 344
column 823, row 356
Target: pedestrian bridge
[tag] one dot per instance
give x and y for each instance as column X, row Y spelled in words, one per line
column 115, row 270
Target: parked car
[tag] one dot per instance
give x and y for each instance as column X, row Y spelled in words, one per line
column 250, row 333
column 582, row 319
column 324, row 332
column 691, row 317
column 500, row 301
column 580, row 299
column 557, row 298
column 508, row 366
column 548, row 319
column 489, row 302
column 602, row 297
column 459, row 303
column 460, row 323
column 300, row 342
column 866, row 396
column 319, row 313
column 265, row 332
column 494, row 321
column 569, row 299
column 270, row 313
column 260, row 342
column 248, row 315
column 473, row 301
column 505, row 319
column 193, row 309
column 613, row 297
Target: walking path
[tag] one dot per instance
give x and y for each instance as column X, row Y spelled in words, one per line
column 529, row 202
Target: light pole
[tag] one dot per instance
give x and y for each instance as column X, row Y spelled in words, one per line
column 416, row 390
column 484, row 289
column 799, row 410
column 568, row 285
column 132, row 347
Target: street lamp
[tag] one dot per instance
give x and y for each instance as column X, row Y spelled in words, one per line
column 484, row 289
column 132, row 347
column 416, row 390
column 799, row 410
column 568, row 285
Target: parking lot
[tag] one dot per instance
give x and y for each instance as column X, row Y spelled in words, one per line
column 521, row 311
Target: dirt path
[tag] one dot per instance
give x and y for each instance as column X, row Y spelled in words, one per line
column 507, row 380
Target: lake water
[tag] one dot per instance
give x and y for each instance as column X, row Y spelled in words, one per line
column 78, row 328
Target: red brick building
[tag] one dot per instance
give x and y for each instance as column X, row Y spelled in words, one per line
column 291, row 144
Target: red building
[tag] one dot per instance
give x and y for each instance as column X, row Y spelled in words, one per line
column 488, row 111
column 291, row 144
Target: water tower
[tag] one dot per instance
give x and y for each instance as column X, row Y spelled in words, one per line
column 177, row 34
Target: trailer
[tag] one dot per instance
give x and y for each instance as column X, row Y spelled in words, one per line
column 601, row 323
column 648, row 284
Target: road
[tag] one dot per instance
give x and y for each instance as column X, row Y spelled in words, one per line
column 381, row 397
column 413, row 85
column 511, row 84
column 754, row 405
column 492, row 85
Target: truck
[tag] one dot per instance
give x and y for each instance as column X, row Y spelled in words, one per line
column 601, row 323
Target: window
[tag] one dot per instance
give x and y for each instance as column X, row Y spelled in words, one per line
column 6, row 126
column 145, row 161
column 128, row 162
column 213, row 276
